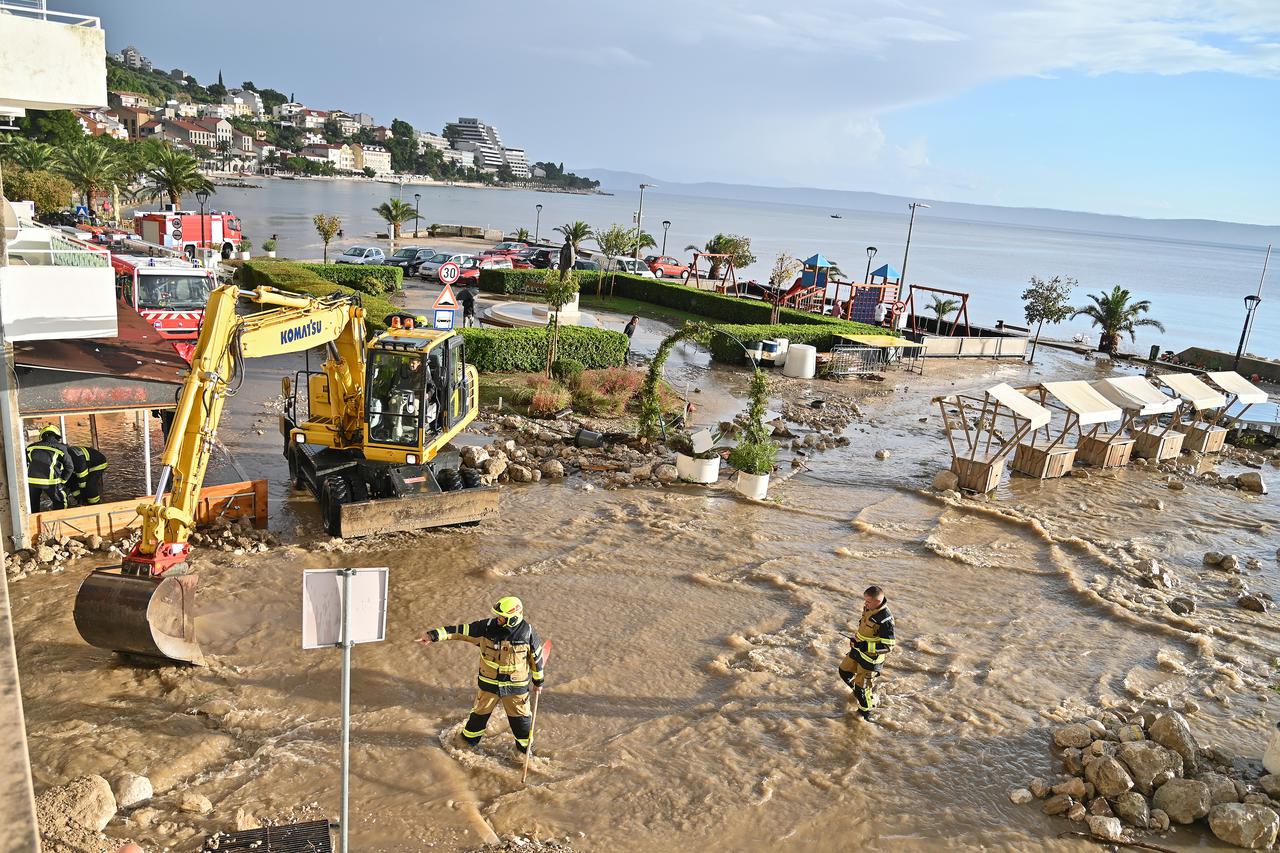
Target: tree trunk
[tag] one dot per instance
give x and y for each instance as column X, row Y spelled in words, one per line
column 1036, row 340
column 1108, row 343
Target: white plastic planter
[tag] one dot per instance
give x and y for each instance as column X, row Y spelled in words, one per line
column 704, row 471
column 754, row 486
column 244, row 256
column 271, row 254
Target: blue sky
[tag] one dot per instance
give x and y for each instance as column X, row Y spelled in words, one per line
column 1163, row 108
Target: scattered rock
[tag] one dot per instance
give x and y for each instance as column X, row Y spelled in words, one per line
column 1146, row 760
column 1213, row 558
column 1152, row 503
column 1132, row 808
column 1106, row 827
column 1020, row 796
column 1099, row 805
column 83, row 803
column 1039, row 788
column 1251, row 481
column 1073, row 761
column 945, row 481
column 1108, row 776
column 1128, row 734
column 1271, row 784
column 1252, row 602
column 1183, row 605
column 245, row 820
column 1159, row 820
column 1183, row 800
column 883, row 454
column 1074, row 735
column 1176, row 485
column 1077, row 812
column 553, row 469
column 1101, row 747
column 1057, row 804
column 1230, row 563
column 1171, row 731
column 1221, row 789
column 666, row 473
column 1073, row 788
column 131, row 789
column 193, row 802
column 1248, row 826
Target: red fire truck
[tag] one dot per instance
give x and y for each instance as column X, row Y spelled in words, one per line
column 184, row 231
column 168, row 292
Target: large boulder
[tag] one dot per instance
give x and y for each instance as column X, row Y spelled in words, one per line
column 1108, row 776
column 1251, row 481
column 1073, row 788
column 1183, row 800
column 553, row 469
column 1221, row 789
column 84, row 803
column 1057, row 804
column 1106, row 827
column 131, row 789
column 1250, row 826
column 1132, row 808
column 1170, row 730
column 945, row 480
column 1271, row 784
column 1146, row 761
column 1075, row 735
column 193, row 802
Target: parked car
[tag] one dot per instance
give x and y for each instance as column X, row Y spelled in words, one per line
column 663, row 266
column 505, row 249
column 542, row 259
column 430, row 268
column 631, row 266
column 408, row 258
column 363, row 255
column 586, row 264
column 522, row 260
column 471, row 267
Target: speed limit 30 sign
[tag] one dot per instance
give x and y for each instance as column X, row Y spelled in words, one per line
column 449, row 273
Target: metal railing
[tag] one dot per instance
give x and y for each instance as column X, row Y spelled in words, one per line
column 38, row 10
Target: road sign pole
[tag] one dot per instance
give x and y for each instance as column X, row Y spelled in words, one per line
column 346, row 700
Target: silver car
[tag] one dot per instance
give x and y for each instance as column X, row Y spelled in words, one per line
column 364, row 255
column 430, row 268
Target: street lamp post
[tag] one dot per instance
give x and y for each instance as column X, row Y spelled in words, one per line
column 902, row 277
column 537, row 225
column 1250, row 305
column 202, row 197
column 871, row 253
column 666, row 224
column 417, row 198
column 635, row 250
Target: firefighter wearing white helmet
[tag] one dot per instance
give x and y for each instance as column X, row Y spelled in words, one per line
column 510, row 665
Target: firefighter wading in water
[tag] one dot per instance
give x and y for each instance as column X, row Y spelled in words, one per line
column 510, row 661
column 868, row 649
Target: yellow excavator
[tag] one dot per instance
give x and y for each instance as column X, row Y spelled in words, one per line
column 372, row 445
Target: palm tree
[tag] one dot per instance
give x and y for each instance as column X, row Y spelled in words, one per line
column 168, row 171
column 223, row 147
column 943, row 307
column 396, row 212
column 90, row 166
column 575, row 233
column 522, row 235
column 31, row 155
column 1115, row 315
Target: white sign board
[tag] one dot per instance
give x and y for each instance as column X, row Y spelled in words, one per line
column 322, row 607
column 444, row 319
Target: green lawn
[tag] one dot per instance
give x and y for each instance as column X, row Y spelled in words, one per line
column 627, row 307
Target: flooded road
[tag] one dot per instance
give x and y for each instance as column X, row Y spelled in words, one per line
column 692, row 700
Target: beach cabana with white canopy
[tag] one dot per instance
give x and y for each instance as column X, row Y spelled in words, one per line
column 1143, row 405
column 1239, row 391
column 1076, row 406
column 993, row 421
column 1201, row 433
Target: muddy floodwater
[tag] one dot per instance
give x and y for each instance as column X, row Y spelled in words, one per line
column 692, row 701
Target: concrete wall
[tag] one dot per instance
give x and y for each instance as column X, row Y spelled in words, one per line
column 44, row 303
column 1215, row 360
column 52, row 64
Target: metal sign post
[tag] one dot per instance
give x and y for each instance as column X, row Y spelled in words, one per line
column 342, row 607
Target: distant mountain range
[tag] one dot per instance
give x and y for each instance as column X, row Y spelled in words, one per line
column 1196, row 230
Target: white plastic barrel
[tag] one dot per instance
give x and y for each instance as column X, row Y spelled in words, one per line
column 1271, row 760
column 802, row 361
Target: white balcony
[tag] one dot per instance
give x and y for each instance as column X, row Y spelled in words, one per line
column 55, row 289
column 50, row 60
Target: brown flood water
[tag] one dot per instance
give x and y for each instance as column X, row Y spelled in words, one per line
column 692, row 698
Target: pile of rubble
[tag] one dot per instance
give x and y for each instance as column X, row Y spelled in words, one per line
column 238, row 536
column 1124, row 778
column 534, row 454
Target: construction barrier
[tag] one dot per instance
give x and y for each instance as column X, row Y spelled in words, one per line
column 113, row 520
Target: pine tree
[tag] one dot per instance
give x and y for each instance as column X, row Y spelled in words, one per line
column 220, row 78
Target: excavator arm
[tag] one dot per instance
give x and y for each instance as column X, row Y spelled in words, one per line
column 295, row 323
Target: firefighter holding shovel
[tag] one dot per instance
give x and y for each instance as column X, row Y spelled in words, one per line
column 512, row 657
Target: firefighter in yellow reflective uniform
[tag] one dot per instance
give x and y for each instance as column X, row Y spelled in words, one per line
column 868, row 649
column 90, row 467
column 510, row 663
column 49, row 469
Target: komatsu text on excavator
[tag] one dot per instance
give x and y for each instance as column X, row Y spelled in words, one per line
column 368, row 434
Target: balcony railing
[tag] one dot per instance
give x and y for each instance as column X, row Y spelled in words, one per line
column 38, row 10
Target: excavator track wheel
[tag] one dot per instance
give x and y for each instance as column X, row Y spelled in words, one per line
column 470, row 478
column 295, row 471
column 336, row 492
column 449, row 479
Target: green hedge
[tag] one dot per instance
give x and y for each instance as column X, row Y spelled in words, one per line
column 299, row 278
column 391, row 279
column 725, row 349
column 525, row 350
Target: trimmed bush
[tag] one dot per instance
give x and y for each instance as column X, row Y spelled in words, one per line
column 391, row 279
column 299, row 278
column 567, row 370
column 525, row 350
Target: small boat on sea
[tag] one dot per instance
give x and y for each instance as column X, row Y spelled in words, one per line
column 836, row 216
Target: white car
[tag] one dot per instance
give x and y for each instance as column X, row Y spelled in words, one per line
column 363, row 255
column 430, row 268
column 630, row 266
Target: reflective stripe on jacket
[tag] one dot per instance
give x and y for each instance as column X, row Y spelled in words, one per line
column 87, row 460
column 875, row 636
column 48, row 463
column 509, row 657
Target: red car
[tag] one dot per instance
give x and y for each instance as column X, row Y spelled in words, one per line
column 665, row 266
column 504, row 250
column 471, row 267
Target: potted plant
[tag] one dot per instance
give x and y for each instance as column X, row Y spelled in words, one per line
column 269, row 246
column 697, row 459
column 755, row 454
column 245, row 246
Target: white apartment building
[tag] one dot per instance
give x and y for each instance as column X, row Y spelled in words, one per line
column 217, row 110
column 459, row 158
column 517, row 162
column 372, row 157
column 483, row 140
column 286, row 112
column 431, row 140
column 252, row 101
column 133, row 58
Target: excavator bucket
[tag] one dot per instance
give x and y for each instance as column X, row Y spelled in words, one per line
column 417, row 512
column 139, row 615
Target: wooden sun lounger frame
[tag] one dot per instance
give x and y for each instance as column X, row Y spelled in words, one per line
column 1201, row 434
column 980, row 474
column 1156, row 441
column 1056, row 458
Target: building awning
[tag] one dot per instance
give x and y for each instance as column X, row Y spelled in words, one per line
column 1233, row 383
column 1191, row 389
column 1087, row 404
column 1021, row 405
column 137, row 369
column 1137, row 395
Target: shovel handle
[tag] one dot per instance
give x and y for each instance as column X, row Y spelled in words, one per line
column 533, row 716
